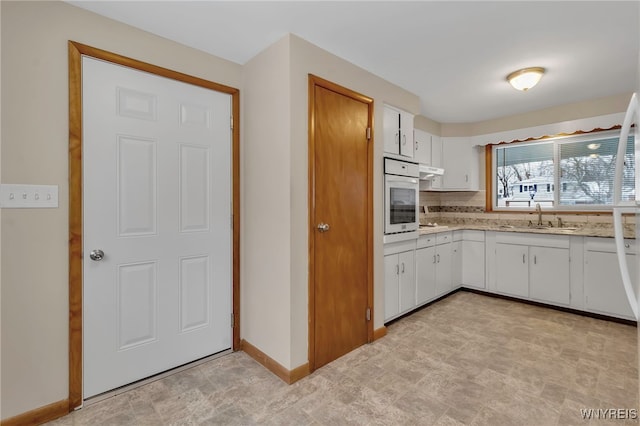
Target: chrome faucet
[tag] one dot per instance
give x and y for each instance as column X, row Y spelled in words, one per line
column 539, row 211
column 560, row 224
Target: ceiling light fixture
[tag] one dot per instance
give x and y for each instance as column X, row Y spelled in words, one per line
column 525, row 78
column 593, row 146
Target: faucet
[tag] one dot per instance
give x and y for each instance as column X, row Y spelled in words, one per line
column 560, row 224
column 539, row 211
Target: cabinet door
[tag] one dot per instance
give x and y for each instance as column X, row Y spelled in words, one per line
column 457, row 260
column 443, row 269
column 407, row 281
column 512, row 269
column 603, row 288
column 549, row 275
column 391, row 283
column 407, row 147
column 473, row 264
column 391, row 130
column 456, row 159
column 423, row 147
column 426, row 274
column 436, row 160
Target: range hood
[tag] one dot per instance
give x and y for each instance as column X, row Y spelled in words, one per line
column 428, row 172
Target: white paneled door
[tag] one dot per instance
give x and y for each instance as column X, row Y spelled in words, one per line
column 157, row 224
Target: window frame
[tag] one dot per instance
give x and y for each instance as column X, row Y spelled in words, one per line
column 491, row 184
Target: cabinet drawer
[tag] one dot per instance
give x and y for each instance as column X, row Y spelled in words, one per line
column 428, row 240
column 443, row 237
column 398, row 247
column 609, row 245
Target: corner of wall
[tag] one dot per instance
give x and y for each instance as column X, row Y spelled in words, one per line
column 266, row 200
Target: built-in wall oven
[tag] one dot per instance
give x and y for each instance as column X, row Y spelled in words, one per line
column 401, row 196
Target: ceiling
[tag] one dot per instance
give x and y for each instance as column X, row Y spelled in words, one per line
column 454, row 55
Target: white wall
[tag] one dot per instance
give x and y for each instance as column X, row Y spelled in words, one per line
column 266, row 203
column 34, row 263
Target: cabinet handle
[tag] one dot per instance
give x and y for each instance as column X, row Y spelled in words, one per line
column 398, row 138
column 438, row 258
column 434, row 258
column 627, row 245
column 397, row 270
column 535, row 260
column 523, row 258
column 466, row 178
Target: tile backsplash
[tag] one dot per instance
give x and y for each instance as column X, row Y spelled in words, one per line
column 469, row 207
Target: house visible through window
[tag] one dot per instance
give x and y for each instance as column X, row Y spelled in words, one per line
column 583, row 167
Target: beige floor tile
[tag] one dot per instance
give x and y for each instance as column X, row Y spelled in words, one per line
column 465, row 360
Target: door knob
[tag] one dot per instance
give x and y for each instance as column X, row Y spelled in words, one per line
column 323, row 227
column 96, row 255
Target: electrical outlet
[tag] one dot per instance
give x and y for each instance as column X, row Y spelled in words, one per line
column 14, row 196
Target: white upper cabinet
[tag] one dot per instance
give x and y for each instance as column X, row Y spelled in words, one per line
column 460, row 164
column 460, row 161
column 398, row 132
column 422, row 147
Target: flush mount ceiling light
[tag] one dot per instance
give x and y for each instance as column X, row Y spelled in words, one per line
column 525, row 78
column 593, row 146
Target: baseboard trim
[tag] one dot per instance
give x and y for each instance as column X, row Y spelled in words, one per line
column 287, row 376
column 40, row 415
column 379, row 333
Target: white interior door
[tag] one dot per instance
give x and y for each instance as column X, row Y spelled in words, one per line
column 157, row 202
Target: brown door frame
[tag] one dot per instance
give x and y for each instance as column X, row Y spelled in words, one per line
column 76, row 51
column 313, row 82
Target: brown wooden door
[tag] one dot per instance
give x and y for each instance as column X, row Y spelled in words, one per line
column 341, row 197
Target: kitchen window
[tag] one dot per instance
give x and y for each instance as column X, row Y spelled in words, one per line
column 581, row 168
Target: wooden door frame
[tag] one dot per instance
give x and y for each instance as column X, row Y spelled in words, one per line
column 76, row 51
column 315, row 81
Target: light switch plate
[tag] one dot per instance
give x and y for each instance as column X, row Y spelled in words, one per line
column 16, row 196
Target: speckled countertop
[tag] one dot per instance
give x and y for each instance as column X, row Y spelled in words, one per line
column 629, row 232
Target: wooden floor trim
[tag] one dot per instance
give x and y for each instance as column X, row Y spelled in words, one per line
column 39, row 415
column 379, row 333
column 287, row 376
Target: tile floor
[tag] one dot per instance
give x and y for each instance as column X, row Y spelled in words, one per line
column 466, row 360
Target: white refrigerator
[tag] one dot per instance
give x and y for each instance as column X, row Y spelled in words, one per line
column 621, row 206
column 626, row 206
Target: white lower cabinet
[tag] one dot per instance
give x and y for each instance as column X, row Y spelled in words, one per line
column 433, row 260
column 537, row 267
column 473, row 259
column 456, row 263
column 549, row 275
column 416, row 272
column 444, row 281
column 426, row 274
column 603, row 289
column 400, row 283
column 512, row 270
column 533, row 267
